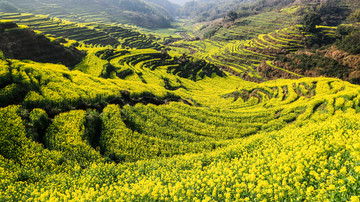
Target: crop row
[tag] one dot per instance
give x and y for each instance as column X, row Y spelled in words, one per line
column 89, row 33
column 252, row 26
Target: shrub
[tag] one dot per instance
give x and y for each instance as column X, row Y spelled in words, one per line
column 354, row 17
column 210, row 33
column 309, row 22
column 350, row 43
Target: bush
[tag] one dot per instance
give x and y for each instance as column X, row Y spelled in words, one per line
column 107, row 70
column 350, row 43
column 344, row 30
column 354, row 17
column 309, row 22
column 210, row 33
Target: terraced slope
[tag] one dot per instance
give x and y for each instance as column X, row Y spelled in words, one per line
column 253, row 59
column 145, row 125
column 22, row 43
column 215, row 127
column 141, row 13
column 251, row 27
column 90, row 33
column 244, row 58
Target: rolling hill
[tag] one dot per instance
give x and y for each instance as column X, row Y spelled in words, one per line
column 150, row 14
column 266, row 109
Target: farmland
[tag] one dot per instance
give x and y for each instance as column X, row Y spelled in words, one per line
column 98, row 111
column 242, row 122
column 88, row 33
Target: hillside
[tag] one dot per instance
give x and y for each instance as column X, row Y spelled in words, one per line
column 207, row 10
column 179, row 2
column 22, row 43
column 87, row 33
column 94, row 127
column 150, row 13
column 259, row 107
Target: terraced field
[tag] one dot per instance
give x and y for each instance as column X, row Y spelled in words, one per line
column 154, row 125
column 252, row 59
column 145, row 130
column 91, row 14
column 251, row 27
column 90, row 33
column 243, row 58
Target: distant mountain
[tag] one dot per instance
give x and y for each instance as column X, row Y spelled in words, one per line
column 166, row 6
column 206, row 10
column 180, row 2
column 144, row 13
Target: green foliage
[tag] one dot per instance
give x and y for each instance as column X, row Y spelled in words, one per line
column 350, row 43
column 210, row 33
column 107, row 70
column 354, row 17
column 122, row 74
column 96, row 34
column 309, row 22
column 9, row 94
column 344, row 30
column 317, row 39
column 194, row 69
column 232, row 15
column 211, row 10
column 318, row 62
column 248, row 27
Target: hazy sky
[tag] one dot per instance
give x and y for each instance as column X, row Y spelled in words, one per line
column 180, row 2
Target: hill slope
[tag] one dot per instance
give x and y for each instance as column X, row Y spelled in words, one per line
column 132, row 123
column 19, row 43
column 141, row 13
column 94, row 127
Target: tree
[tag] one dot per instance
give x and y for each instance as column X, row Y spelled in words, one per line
column 354, row 17
column 309, row 22
column 232, row 15
column 350, row 43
